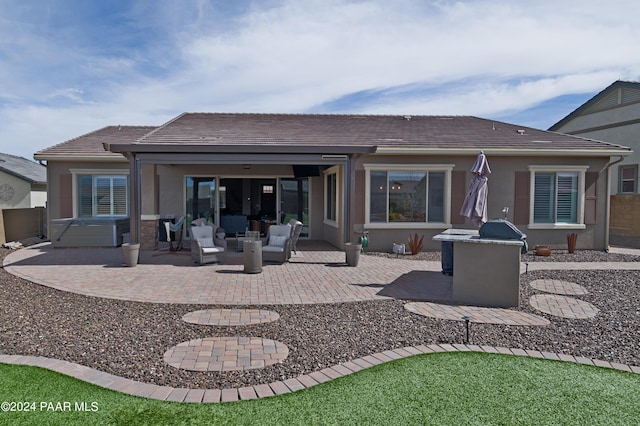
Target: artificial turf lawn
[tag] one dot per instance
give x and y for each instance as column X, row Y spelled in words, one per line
column 443, row 388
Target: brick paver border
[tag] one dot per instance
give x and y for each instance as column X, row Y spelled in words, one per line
column 167, row 393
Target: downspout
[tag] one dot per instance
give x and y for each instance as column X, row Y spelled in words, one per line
column 607, row 167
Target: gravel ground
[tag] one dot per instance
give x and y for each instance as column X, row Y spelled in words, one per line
column 129, row 338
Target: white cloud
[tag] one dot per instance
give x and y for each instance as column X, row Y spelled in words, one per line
column 485, row 58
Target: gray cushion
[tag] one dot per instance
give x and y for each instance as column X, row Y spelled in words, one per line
column 277, row 240
column 206, row 242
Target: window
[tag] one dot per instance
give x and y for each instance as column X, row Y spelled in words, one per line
column 627, row 176
column 557, row 197
column 408, row 194
column 331, row 197
column 102, row 195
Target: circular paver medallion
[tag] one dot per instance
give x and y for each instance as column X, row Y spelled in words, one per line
column 563, row 306
column 559, row 287
column 226, row 354
column 477, row 314
column 230, row 316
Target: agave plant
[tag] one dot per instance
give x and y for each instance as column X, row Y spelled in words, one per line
column 415, row 244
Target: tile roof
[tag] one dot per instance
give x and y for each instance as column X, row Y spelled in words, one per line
column 25, row 169
column 326, row 133
column 444, row 132
column 90, row 144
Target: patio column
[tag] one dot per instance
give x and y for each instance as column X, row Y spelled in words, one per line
column 149, row 207
column 349, row 203
column 134, row 197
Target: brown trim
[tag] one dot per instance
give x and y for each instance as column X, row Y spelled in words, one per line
column 590, row 198
column 521, row 198
column 458, row 193
column 66, row 195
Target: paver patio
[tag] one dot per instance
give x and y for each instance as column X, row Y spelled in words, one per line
column 316, row 274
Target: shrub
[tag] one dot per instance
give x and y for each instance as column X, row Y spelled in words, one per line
column 415, row 244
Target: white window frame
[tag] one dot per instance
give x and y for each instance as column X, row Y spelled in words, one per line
column 581, row 170
column 335, row 170
column 93, row 173
column 442, row 168
column 621, row 168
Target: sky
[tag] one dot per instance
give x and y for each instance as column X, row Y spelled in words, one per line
column 68, row 67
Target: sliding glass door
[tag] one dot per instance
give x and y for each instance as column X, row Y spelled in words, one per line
column 238, row 204
column 200, row 198
column 294, row 201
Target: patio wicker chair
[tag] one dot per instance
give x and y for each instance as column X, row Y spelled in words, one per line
column 278, row 244
column 206, row 247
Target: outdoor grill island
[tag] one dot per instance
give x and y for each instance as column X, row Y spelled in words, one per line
column 486, row 271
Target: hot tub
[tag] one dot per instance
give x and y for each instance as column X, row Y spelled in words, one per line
column 88, row 231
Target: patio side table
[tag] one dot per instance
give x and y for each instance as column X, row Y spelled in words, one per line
column 252, row 256
column 241, row 237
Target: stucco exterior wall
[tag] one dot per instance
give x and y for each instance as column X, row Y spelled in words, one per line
column 59, row 183
column 170, row 190
column 501, row 194
column 18, row 190
column 622, row 134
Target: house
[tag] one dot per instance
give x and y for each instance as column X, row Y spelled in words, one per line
column 23, row 183
column 341, row 175
column 613, row 115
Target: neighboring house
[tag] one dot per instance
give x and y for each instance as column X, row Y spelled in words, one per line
column 613, row 115
column 23, row 183
column 341, row 175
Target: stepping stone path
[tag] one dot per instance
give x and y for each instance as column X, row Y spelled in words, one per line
column 563, row 306
column 230, row 317
column 226, row 354
column 559, row 287
column 477, row 314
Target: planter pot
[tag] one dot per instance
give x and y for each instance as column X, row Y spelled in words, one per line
column 352, row 253
column 542, row 250
column 131, row 253
column 398, row 248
